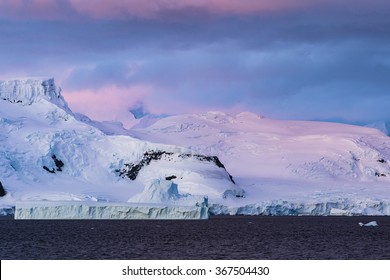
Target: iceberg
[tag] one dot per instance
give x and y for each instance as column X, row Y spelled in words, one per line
column 99, row 210
column 370, row 224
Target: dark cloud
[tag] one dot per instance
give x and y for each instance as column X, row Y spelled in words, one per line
column 297, row 63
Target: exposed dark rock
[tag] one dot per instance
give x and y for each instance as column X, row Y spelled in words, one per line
column 214, row 159
column 381, row 160
column 48, row 170
column 380, row 174
column 155, row 155
column 2, row 190
column 12, row 101
column 59, row 164
column 169, row 178
column 131, row 170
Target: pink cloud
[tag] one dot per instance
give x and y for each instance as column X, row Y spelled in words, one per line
column 107, row 103
column 149, row 9
column 49, row 9
column 42, row 9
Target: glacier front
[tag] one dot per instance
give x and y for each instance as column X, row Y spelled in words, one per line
column 98, row 210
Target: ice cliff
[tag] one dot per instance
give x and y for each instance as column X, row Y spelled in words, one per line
column 320, row 207
column 29, row 90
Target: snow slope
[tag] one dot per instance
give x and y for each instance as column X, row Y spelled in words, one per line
column 47, row 154
column 383, row 126
column 288, row 167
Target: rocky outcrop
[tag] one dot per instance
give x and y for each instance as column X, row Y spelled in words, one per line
column 58, row 163
column 2, row 190
column 131, row 170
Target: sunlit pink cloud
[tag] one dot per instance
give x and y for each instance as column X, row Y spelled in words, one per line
column 107, row 103
column 114, row 9
column 141, row 8
column 26, row 9
column 112, row 103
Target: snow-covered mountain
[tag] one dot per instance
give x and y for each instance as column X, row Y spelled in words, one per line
column 244, row 164
column 47, row 153
column 289, row 167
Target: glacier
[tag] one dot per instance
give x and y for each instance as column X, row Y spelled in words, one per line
column 341, row 207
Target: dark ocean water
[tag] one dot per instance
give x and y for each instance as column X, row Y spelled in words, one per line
column 218, row 238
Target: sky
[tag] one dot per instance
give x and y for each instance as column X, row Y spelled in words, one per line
column 322, row 60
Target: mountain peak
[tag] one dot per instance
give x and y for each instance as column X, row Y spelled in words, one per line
column 32, row 89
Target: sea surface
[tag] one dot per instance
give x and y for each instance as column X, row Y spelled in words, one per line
column 220, row 237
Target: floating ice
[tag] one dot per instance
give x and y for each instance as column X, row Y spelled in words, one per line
column 83, row 210
column 370, row 224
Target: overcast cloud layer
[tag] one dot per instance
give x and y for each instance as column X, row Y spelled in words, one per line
column 301, row 59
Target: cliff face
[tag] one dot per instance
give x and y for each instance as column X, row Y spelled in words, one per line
column 29, row 90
